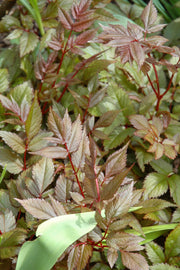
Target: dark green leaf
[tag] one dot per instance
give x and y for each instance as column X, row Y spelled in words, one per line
column 172, row 243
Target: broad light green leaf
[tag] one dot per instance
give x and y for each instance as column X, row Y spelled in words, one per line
column 155, row 185
column 33, row 122
column 13, row 141
column 155, row 253
column 172, row 243
column 12, row 160
column 10, row 241
column 7, row 221
column 4, row 82
column 54, row 238
column 43, row 174
column 28, row 42
column 163, row 266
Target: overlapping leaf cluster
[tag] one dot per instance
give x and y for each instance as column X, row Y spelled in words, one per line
column 85, row 128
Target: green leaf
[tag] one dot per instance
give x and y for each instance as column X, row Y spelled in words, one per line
column 153, row 205
column 4, row 80
column 172, row 243
column 117, row 137
column 155, row 185
column 13, row 161
column 96, row 67
column 54, row 238
column 42, row 174
column 143, row 157
column 163, row 266
column 155, row 253
column 10, row 241
column 13, row 141
column 5, row 202
column 28, row 42
column 174, row 185
column 33, row 122
column 162, row 166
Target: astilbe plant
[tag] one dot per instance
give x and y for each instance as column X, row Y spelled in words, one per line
column 78, row 134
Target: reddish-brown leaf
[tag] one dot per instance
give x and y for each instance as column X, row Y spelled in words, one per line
column 65, row 19
column 134, row 261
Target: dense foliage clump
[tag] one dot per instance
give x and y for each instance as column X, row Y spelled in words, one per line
column 90, row 138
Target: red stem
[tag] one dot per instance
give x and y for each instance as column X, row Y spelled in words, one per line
column 149, row 79
column 62, row 57
column 25, row 154
column 75, row 173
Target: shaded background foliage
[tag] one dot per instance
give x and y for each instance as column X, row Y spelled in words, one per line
column 90, row 110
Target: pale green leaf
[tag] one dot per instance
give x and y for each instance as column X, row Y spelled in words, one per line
column 13, row 141
column 153, row 205
column 4, row 80
column 5, row 202
column 155, row 253
column 33, row 122
column 12, row 160
column 28, row 42
column 54, row 239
